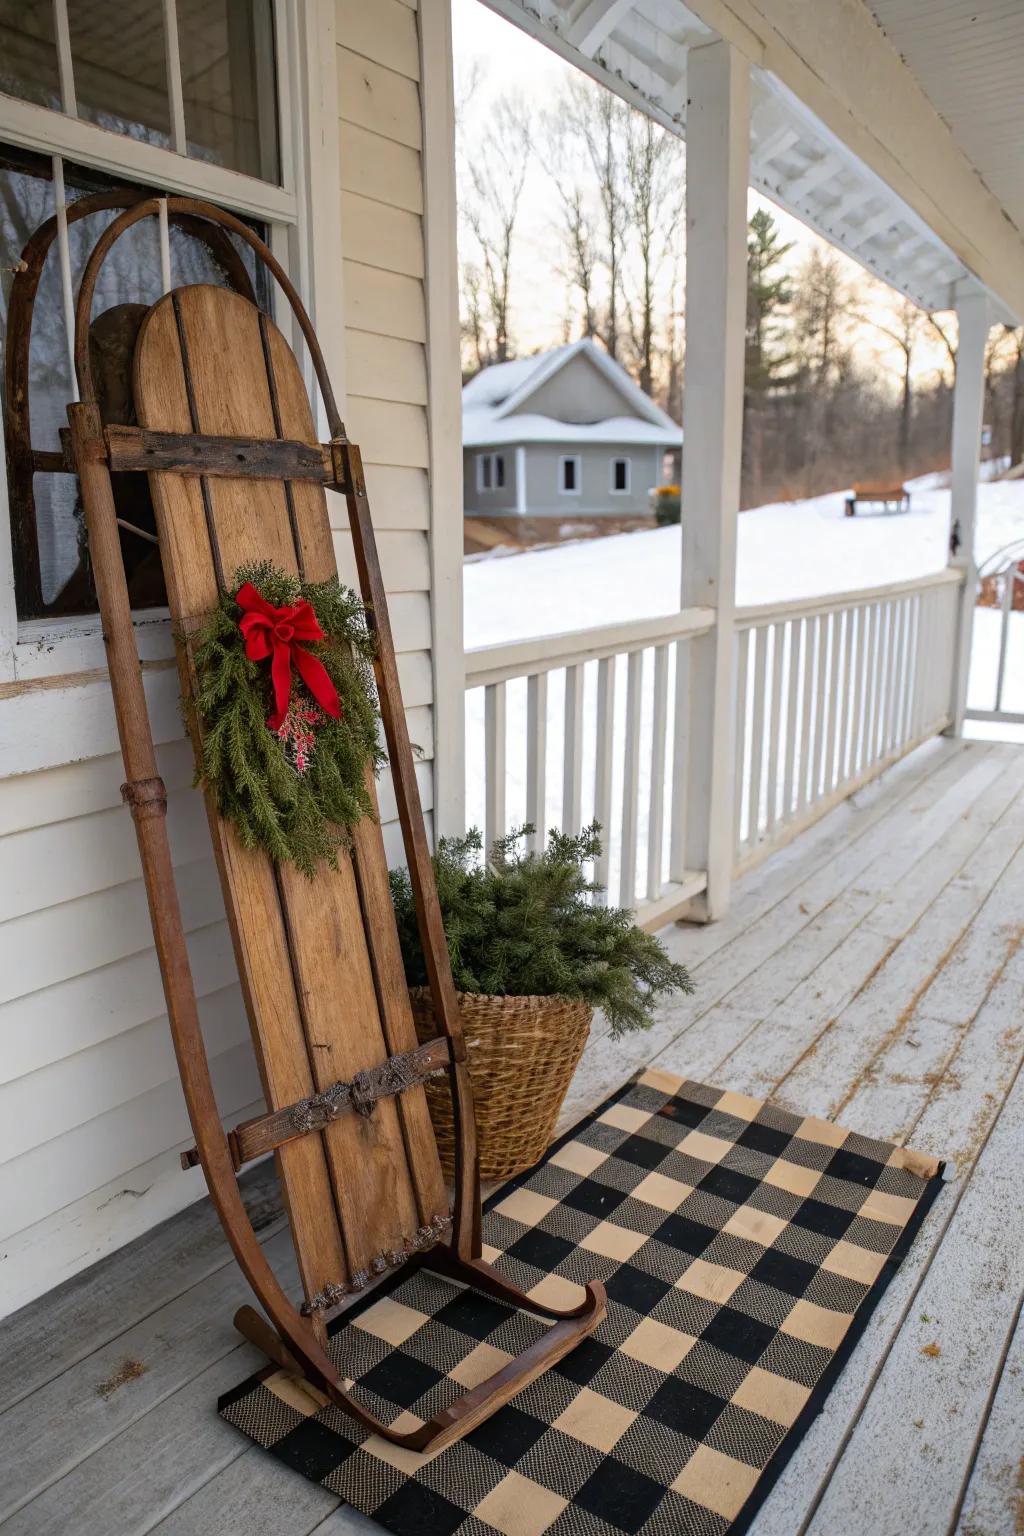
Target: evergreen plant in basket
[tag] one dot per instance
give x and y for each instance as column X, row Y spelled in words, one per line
column 533, row 953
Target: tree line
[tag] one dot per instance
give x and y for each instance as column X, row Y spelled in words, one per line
column 844, row 379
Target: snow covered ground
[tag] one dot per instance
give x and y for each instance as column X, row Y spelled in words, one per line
column 786, row 550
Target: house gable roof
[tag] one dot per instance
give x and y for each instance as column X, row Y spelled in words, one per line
column 496, row 402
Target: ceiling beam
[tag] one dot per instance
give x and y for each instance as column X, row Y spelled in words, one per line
column 595, row 22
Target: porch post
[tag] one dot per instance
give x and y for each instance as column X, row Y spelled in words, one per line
column 717, row 170
column 972, row 308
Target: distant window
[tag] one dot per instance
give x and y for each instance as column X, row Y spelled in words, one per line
column 490, row 471
column 620, row 476
column 569, row 475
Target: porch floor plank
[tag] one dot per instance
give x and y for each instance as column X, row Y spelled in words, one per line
column 873, row 970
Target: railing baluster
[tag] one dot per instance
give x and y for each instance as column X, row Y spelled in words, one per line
column 806, row 710
column 631, row 780
column 760, row 641
column 1004, row 633
column 878, row 680
column 680, row 763
column 537, row 758
column 494, row 761
column 572, row 772
column 603, row 761
column 864, row 692
column 849, row 694
column 656, row 813
column 874, row 649
column 912, row 667
column 795, row 629
column 835, row 701
column 892, row 674
column 742, row 735
column 775, row 726
column 821, row 707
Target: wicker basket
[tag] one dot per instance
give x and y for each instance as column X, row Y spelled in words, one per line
column 522, row 1053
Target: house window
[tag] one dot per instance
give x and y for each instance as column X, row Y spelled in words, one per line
column 215, row 102
column 490, row 471
column 620, row 477
column 191, row 117
column 569, row 474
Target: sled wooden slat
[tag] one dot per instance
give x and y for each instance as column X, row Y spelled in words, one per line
column 312, row 999
column 316, row 546
column 248, row 883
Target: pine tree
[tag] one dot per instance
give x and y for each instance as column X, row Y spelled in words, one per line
column 768, row 292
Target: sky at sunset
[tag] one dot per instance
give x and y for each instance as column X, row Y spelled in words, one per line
column 500, row 58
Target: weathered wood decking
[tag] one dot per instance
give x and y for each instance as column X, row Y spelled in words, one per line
column 873, row 971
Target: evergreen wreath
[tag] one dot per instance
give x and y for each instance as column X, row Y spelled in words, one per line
column 527, row 925
column 287, row 708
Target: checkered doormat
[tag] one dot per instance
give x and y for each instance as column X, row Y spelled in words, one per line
column 743, row 1249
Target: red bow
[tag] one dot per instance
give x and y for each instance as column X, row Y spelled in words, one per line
column 275, row 632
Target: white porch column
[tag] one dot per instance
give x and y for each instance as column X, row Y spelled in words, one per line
column 973, row 317
column 717, row 170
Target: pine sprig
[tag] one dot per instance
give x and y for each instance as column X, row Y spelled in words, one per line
column 302, row 818
column 525, row 925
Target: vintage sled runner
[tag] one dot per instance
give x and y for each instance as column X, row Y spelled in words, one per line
column 236, row 473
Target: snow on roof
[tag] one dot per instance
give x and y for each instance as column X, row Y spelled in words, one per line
column 480, row 429
column 492, row 404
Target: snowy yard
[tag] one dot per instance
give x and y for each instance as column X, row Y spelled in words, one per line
column 786, row 551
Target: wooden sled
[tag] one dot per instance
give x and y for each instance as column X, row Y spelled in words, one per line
column 236, row 473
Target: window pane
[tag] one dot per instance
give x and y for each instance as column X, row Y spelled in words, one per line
column 28, row 52
column 569, row 474
column 621, row 474
column 228, row 81
column 129, row 281
column 120, row 65
column 499, row 469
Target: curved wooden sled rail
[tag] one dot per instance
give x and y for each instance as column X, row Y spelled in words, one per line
column 289, row 1339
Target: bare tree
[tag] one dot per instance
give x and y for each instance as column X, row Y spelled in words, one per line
column 945, row 335
column 497, row 174
column 600, row 118
column 569, row 167
column 905, row 330
column 652, row 216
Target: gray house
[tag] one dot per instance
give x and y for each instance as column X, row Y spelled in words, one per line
column 565, row 434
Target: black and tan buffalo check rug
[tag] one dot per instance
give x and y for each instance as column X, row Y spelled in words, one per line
column 743, row 1248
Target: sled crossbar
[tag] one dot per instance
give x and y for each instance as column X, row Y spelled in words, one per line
column 256, row 458
column 265, row 1133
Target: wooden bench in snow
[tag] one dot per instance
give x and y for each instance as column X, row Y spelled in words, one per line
column 890, row 498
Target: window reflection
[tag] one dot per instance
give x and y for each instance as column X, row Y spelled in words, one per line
column 227, row 77
column 28, row 52
column 119, row 56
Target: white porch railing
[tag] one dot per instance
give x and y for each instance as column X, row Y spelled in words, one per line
column 829, row 693
column 591, row 725
column 997, row 675
column 594, row 725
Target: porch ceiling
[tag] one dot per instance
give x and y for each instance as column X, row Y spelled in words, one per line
column 639, row 49
column 968, row 58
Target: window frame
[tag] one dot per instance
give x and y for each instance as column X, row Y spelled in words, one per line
column 306, row 80
column 490, row 471
column 613, row 489
column 575, row 459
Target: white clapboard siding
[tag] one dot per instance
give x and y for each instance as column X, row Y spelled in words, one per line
column 92, row 1112
column 380, row 168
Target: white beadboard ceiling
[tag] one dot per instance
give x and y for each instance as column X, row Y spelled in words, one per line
column 968, row 58
column 639, row 49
